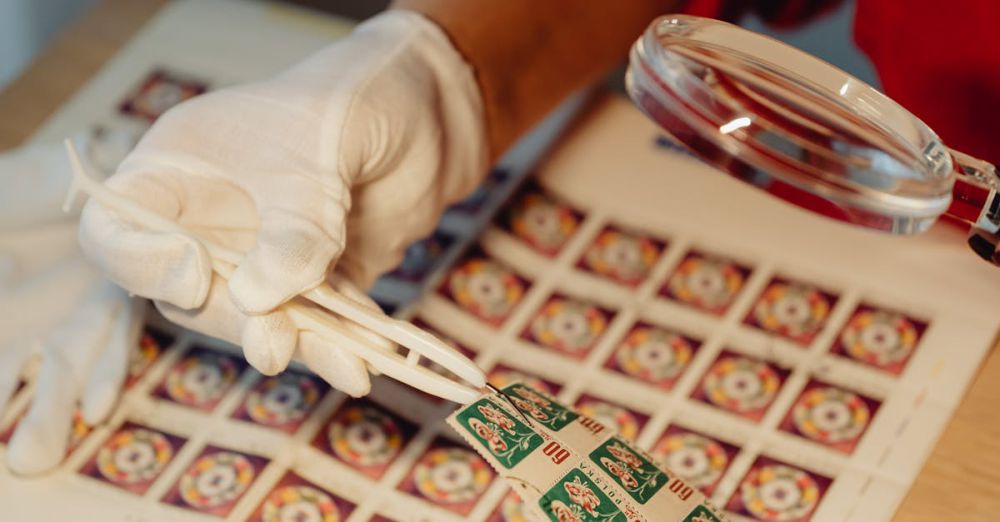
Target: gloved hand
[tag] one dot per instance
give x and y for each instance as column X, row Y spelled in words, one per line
column 55, row 307
column 330, row 168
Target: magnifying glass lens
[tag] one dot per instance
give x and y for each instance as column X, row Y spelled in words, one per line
column 791, row 124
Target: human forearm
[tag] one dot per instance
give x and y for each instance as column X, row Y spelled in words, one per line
column 529, row 55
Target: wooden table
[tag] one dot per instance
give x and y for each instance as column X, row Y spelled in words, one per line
column 961, row 481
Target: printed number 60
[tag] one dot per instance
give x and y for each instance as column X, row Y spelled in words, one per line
column 557, row 452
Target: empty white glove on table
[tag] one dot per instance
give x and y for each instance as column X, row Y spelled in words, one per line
column 328, row 170
column 58, row 314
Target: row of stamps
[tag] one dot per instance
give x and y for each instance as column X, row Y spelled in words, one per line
column 822, row 413
column 770, row 491
column 545, row 224
column 739, row 384
column 360, row 433
column 490, row 291
column 446, row 475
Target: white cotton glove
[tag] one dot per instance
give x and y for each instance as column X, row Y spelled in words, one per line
column 83, row 327
column 55, row 307
column 343, row 159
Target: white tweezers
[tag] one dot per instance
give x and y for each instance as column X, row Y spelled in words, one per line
column 417, row 341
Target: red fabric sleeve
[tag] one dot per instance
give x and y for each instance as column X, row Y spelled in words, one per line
column 942, row 62
column 939, row 60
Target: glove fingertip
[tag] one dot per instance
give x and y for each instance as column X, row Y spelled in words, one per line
column 31, row 453
column 356, row 388
column 98, row 403
column 269, row 342
column 336, row 366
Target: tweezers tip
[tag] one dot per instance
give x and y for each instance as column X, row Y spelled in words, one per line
column 497, row 391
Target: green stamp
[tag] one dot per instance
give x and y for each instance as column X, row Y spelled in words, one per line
column 508, row 439
column 576, row 498
column 702, row 514
column 632, row 471
column 543, row 409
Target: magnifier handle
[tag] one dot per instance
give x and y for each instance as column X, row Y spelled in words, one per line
column 976, row 200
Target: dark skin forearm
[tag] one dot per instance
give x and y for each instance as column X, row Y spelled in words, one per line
column 528, row 55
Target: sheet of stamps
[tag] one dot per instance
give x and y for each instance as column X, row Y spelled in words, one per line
column 715, row 347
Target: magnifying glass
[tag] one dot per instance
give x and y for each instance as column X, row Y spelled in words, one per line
column 807, row 132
